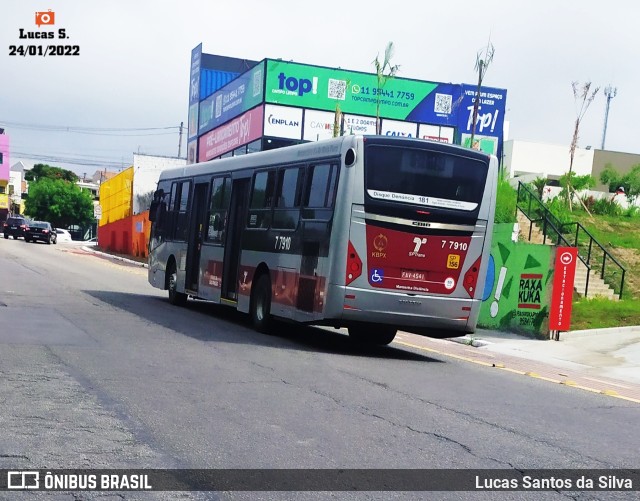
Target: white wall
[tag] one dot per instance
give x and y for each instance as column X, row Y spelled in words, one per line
column 146, row 172
column 524, row 157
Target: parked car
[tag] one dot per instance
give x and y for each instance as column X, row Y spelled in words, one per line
column 15, row 226
column 41, row 230
column 63, row 235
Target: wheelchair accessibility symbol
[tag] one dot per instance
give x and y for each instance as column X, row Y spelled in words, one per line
column 377, row 275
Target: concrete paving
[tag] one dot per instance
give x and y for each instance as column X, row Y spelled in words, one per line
column 605, row 361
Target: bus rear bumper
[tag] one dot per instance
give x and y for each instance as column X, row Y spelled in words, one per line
column 432, row 316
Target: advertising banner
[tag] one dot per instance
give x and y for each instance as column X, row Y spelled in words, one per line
column 238, row 96
column 356, row 124
column 280, row 121
column 491, row 108
column 318, row 125
column 436, row 133
column 562, row 295
column 241, row 130
column 399, row 129
column 194, row 91
column 306, row 86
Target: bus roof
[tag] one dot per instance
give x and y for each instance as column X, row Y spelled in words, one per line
column 299, row 152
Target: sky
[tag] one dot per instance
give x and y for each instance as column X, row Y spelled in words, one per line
column 127, row 90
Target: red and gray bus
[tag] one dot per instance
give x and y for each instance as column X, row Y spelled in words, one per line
column 371, row 233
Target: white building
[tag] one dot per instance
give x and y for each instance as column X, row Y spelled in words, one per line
column 530, row 159
column 146, row 172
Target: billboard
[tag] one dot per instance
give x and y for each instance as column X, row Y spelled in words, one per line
column 280, row 121
column 318, row 125
column 239, row 95
column 398, row 129
column 320, row 88
column 227, row 137
column 356, row 124
column 491, row 108
column 194, row 91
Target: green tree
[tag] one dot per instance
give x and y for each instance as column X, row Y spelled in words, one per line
column 629, row 181
column 60, row 202
column 538, row 185
column 40, row 171
column 384, row 71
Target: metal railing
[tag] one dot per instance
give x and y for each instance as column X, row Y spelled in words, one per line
column 592, row 254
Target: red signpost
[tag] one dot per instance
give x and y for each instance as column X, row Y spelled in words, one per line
column 562, row 294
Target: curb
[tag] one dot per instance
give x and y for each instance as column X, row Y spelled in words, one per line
column 470, row 341
column 116, row 258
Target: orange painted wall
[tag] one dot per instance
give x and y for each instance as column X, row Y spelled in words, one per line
column 126, row 236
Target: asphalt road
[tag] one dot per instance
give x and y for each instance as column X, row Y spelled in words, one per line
column 98, row 370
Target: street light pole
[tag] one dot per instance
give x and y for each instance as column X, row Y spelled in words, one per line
column 610, row 93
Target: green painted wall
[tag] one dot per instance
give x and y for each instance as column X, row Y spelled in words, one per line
column 517, row 292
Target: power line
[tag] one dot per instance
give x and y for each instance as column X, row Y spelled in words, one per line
column 107, row 131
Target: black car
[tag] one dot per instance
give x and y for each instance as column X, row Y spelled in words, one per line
column 41, row 230
column 15, row 226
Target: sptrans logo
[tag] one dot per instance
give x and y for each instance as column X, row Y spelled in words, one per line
column 293, row 86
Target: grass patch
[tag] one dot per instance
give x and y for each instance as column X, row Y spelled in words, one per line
column 602, row 313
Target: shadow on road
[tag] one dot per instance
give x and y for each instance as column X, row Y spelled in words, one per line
column 210, row 322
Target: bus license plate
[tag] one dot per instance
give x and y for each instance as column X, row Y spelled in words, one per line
column 412, row 275
column 453, row 261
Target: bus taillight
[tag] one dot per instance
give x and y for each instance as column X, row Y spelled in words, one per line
column 354, row 264
column 471, row 278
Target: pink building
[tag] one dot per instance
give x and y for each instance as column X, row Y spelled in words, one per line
column 4, row 175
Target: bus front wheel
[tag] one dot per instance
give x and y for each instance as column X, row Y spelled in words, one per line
column 372, row 334
column 175, row 297
column 261, row 304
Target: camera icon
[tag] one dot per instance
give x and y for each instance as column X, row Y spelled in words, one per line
column 23, row 480
column 48, row 17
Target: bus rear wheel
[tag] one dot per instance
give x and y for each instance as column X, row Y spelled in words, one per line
column 176, row 298
column 260, row 309
column 373, row 334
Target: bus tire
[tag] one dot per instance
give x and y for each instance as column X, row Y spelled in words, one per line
column 176, row 298
column 373, row 334
column 260, row 308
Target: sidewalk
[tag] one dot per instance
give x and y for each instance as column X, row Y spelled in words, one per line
column 603, row 361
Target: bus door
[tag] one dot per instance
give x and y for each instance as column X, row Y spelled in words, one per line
column 196, row 235
column 308, row 276
column 237, row 221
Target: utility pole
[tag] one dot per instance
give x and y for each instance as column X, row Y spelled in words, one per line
column 180, row 140
column 610, row 93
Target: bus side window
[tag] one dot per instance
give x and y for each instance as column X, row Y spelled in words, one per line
column 218, row 207
column 320, row 186
column 262, row 199
column 180, row 208
column 287, row 207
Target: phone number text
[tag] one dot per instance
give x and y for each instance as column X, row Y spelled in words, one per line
column 42, row 50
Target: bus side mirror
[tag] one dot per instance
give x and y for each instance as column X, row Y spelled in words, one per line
column 152, row 211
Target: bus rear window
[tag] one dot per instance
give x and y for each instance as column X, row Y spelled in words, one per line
column 424, row 177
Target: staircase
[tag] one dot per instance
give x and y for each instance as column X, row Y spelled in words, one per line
column 538, row 225
column 595, row 286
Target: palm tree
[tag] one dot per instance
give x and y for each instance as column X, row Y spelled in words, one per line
column 384, row 72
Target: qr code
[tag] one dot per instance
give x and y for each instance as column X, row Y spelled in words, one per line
column 337, row 89
column 442, row 103
column 218, row 106
column 257, row 83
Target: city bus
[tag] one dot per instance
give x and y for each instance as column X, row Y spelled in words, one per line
column 368, row 233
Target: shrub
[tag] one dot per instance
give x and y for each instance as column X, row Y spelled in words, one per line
column 505, row 202
column 605, row 207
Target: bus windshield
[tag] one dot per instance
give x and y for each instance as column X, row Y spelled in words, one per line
column 424, row 177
